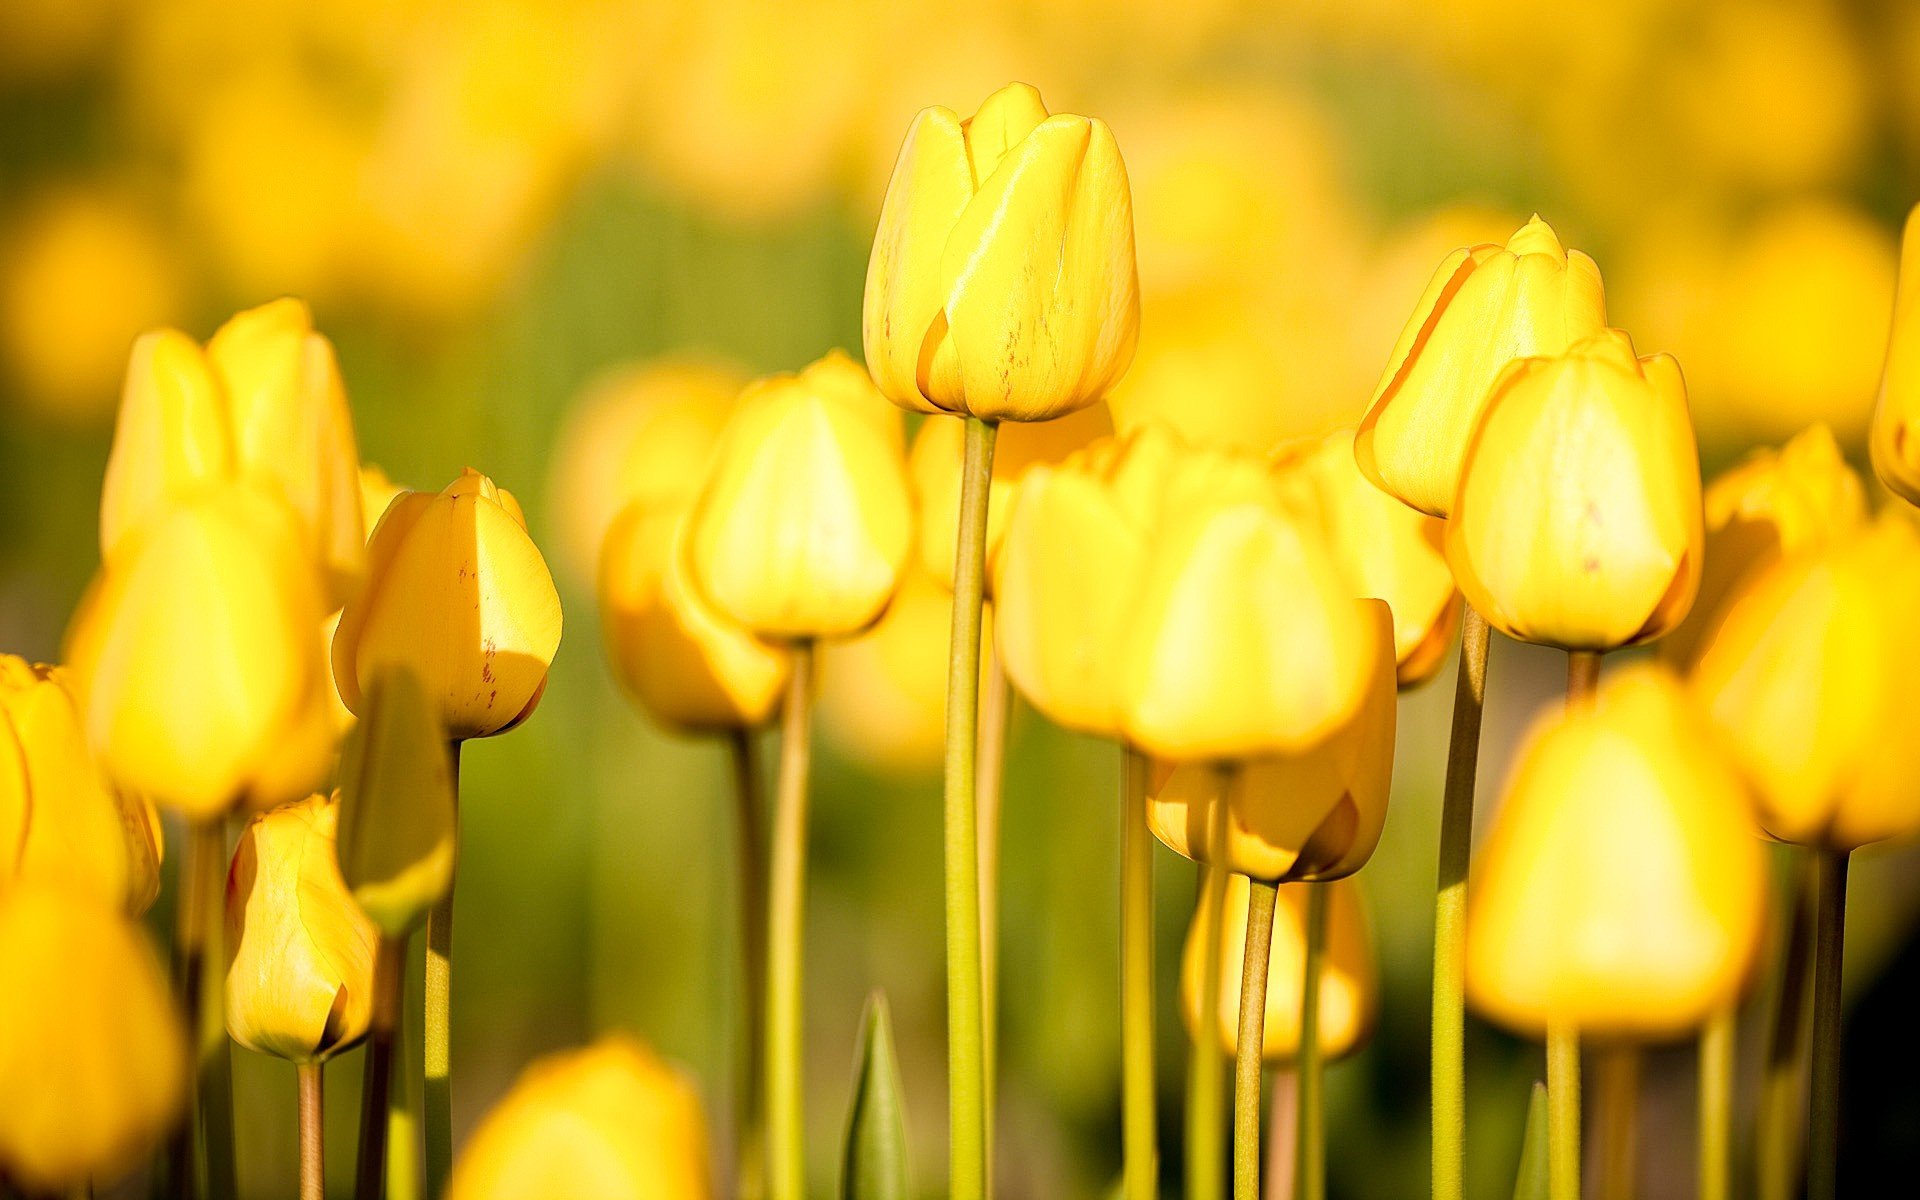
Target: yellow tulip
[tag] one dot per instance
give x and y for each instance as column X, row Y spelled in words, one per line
column 1896, row 449
column 1002, row 283
column 1621, row 890
column 93, row 1056
column 1773, row 503
column 1349, row 987
column 1808, row 678
column 1578, row 521
column 59, row 818
column 398, row 813
column 805, row 524
column 934, row 466
column 610, row 1121
column 883, row 695
column 458, row 594
column 1387, row 550
column 299, row 950
column 196, row 656
column 690, row 668
column 1485, row 307
column 1311, row 815
column 173, row 435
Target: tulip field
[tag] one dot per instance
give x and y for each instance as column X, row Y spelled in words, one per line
column 653, row 601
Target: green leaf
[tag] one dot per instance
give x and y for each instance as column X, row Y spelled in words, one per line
column 1531, row 1183
column 875, row 1165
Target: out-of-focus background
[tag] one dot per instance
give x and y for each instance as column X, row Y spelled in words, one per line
column 490, row 204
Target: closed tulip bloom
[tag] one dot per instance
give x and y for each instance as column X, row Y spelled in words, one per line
column 1621, row 890
column 610, row 1121
column 458, row 594
column 196, row 653
column 1578, row 522
column 299, row 950
column 1775, row 502
column 1349, row 984
column 1002, row 283
column 398, row 814
column 805, row 525
column 1486, row 306
column 93, row 1056
column 690, row 668
column 1808, row 680
column 1312, row 815
column 1896, row 449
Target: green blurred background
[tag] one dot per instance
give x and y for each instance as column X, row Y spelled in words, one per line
column 492, row 203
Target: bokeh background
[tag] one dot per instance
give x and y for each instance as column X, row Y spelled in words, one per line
column 492, row 204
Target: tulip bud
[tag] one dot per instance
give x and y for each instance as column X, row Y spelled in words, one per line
column 1895, row 448
column 196, row 656
column 59, row 819
column 93, row 1056
column 1578, row 522
column 1808, row 677
column 610, row 1121
column 1774, row 503
column 399, row 817
column 1485, row 307
column 174, row 434
column 1621, row 890
column 458, row 594
column 1314, row 814
column 805, row 524
column 299, row 950
column 1349, row 989
column 1002, row 283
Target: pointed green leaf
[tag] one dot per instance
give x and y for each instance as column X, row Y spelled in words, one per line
column 875, row 1166
column 1531, row 1183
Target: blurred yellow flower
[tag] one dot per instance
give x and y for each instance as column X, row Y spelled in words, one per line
column 299, row 950
column 1484, row 307
column 805, row 524
column 376, row 493
column 1621, row 890
column 93, row 1058
column 458, row 594
column 398, row 819
column 1578, row 518
column 1349, row 984
column 1002, row 283
column 883, row 695
column 1808, row 677
column 610, row 1121
column 1895, row 446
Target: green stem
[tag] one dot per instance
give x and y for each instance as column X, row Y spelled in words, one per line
column 786, row 1152
column 1716, row 1105
column 1617, row 1071
column 1823, row 1107
column 1563, row 1112
column 1312, row 1140
column 437, row 1028
column 1250, row 1039
column 995, row 707
column 1140, row 1156
column 1780, row 1132
column 966, row 1037
column 751, row 865
column 201, row 874
column 313, row 1170
column 1450, row 913
column 216, row 1048
column 1205, row 1141
column 389, row 978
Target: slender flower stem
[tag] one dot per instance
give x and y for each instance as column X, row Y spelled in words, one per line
column 1716, row 1105
column 1780, row 1133
column 404, row 1167
column 313, row 1159
column 1617, row 1071
column 786, row 1160
column 389, row 978
column 1583, row 677
column 1250, row 1039
column 1205, row 1177
column 1140, row 1154
column 1450, row 914
column 1823, row 1107
column 1563, row 1112
column 996, row 705
column 750, row 855
column 201, row 874
column 1312, row 1148
column 969, row 1119
column 216, row 1048
column 438, row 1028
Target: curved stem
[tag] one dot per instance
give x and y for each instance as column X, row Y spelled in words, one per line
column 1823, row 1106
column 1250, row 1039
column 1617, row 1069
column 1450, row 913
column 786, row 1162
column 1140, row 1154
column 1780, row 1132
column 750, row 856
column 389, row 977
column 313, row 1169
column 1312, row 1140
column 437, row 1028
column 1716, row 1105
column 996, row 705
column 1205, row 1177
column 1563, row 1112
column 966, row 1049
